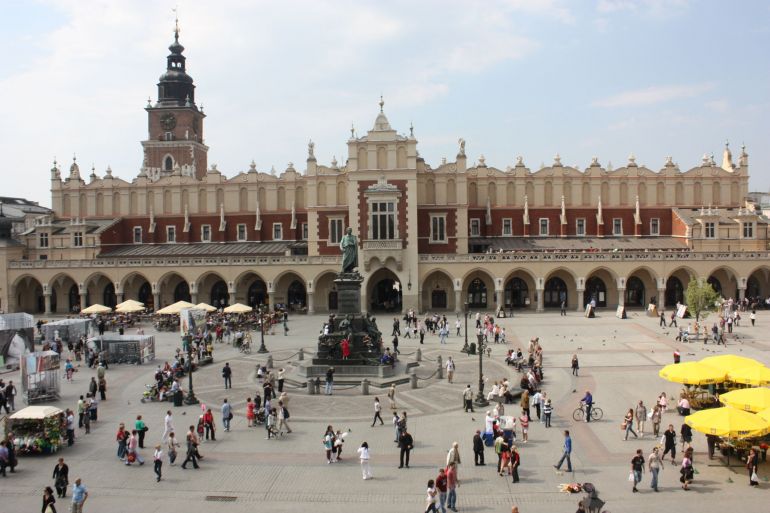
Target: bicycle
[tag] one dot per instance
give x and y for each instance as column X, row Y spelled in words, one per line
column 580, row 413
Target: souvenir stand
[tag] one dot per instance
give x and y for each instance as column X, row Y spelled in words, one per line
column 17, row 332
column 136, row 349
column 37, row 429
column 68, row 330
column 40, row 377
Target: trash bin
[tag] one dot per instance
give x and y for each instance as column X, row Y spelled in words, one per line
column 472, row 348
column 178, row 396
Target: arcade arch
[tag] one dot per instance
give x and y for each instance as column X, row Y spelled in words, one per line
column 559, row 286
column 641, row 288
column 383, row 291
column 519, row 289
column 438, row 291
column 479, row 290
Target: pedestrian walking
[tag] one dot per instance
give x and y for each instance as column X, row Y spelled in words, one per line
column 654, row 465
column 656, row 417
column 329, row 381
column 478, row 449
column 468, row 399
column 192, row 449
column 10, row 396
column 637, row 467
column 641, row 417
column 171, row 448
column 752, row 463
column 392, row 396
column 48, row 500
column 122, row 439
column 208, row 425
column 524, row 423
column 363, row 456
column 133, row 446
column 628, row 424
column 283, row 418
column 103, row 388
column 441, row 486
column 669, row 442
column 453, row 456
column 141, row 429
column 227, row 374
column 547, row 411
column 686, row 471
column 575, row 365
column 157, row 459
column 70, row 426
column 405, row 443
column 168, row 426
column 515, row 461
column 432, row 497
column 377, row 411
column 281, row 379
column 686, row 434
column 61, row 478
column 227, row 415
column 79, row 496
column 566, row 453
column 452, row 483
column 450, row 369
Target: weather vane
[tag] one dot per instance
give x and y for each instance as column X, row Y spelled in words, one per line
column 175, row 10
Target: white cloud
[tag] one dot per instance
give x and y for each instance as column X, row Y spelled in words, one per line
column 653, row 95
column 653, row 8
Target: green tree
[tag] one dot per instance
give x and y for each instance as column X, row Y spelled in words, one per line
column 700, row 297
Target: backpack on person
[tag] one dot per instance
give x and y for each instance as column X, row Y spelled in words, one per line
column 285, row 413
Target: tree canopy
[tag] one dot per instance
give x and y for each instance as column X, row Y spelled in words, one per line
column 701, row 297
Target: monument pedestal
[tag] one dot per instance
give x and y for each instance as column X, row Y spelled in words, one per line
column 348, row 293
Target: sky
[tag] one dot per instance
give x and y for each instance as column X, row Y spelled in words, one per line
column 580, row 78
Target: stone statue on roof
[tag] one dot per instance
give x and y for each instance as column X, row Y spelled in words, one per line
column 461, row 142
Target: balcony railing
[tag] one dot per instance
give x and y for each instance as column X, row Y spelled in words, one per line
column 175, row 262
column 382, row 244
column 598, row 256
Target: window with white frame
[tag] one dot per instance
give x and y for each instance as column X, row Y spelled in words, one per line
column 748, row 230
column 383, row 220
column 42, row 240
column 438, row 228
column 335, row 230
column 170, row 233
column 241, row 232
column 475, row 227
column 617, row 226
column 277, row 231
column 580, row 227
column 543, row 226
column 654, row 226
column 206, row 233
column 137, row 234
column 709, row 230
column 507, row 227
column 77, row 239
column 304, row 231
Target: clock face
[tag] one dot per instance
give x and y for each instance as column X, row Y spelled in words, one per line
column 168, row 121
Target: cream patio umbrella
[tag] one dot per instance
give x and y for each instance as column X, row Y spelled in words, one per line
column 129, row 302
column 96, row 309
column 205, row 307
column 130, row 308
column 238, row 308
column 175, row 308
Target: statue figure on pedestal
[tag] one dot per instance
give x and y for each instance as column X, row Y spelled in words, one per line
column 349, row 247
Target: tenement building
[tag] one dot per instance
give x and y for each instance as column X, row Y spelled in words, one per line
column 431, row 238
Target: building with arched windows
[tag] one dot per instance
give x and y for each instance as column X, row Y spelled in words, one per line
column 431, row 238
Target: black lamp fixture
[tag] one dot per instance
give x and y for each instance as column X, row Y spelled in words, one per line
column 409, row 283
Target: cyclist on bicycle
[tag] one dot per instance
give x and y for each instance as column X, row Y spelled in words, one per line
column 588, row 400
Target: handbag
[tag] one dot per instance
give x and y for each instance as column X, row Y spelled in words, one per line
column 754, row 477
column 630, row 477
column 623, row 425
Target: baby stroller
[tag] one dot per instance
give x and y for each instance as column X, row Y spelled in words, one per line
column 591, row 502
column 259, row 416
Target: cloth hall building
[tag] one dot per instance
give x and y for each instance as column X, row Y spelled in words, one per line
column 430, row 238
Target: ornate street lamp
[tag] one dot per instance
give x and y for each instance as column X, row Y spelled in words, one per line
column 262, row 349
column 465, row 346
column 190, row 399
column 481, row 401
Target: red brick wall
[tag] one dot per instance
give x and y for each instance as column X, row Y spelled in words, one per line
column 423, row 230
column 678, row 227
column 401, row 208
column 323, row 231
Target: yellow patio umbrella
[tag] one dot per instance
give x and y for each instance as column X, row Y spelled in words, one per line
column 765, row 414
column 206, row 307
column 175, row 308
column 728, row 422
column 748, row 399
column 238, row 308
column 130, row 308
column 692, row 373
column 129, row 302
column 96, row 309
column 728, row 362
column 755, row 375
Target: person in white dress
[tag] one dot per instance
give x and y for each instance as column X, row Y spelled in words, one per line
column 363, row 455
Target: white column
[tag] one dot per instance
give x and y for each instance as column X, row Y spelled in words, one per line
column 310, row 305
column 540, row 306
column 459, row 301
column 579, row 300
column 47, row 299
column 621, row 296
column 661, row 299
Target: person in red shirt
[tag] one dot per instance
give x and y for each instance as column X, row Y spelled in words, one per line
column 208, row 424
column 441, row 486
column 452, row 484
column 345, row 347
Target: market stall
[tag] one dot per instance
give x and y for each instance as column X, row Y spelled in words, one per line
column 17, row 333
column 36, row 430
column 40, row 377
column 68, row 330
column 136, row 349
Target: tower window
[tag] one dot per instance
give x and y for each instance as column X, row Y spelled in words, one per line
column 168, row 164
column 169, row 136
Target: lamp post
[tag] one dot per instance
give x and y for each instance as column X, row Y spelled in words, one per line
column 190, row 399
column 262, row 349
column 481, row 401
column 465, row 346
